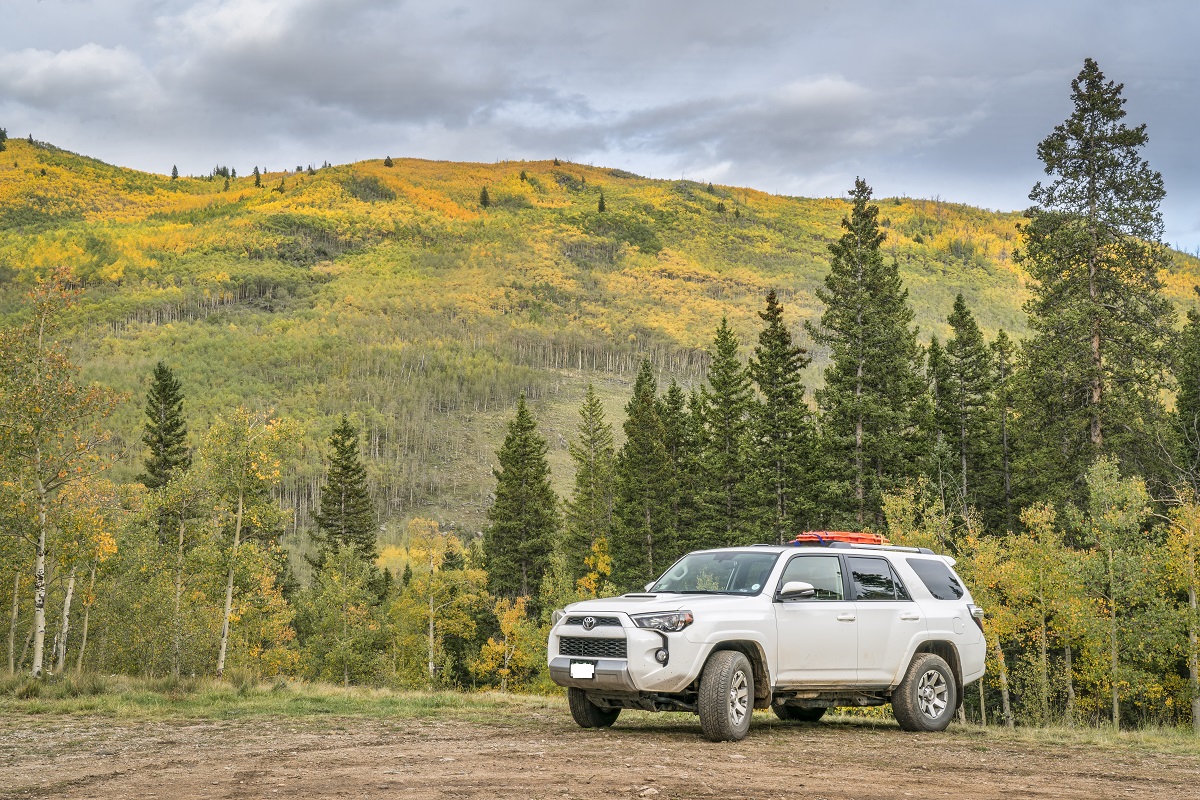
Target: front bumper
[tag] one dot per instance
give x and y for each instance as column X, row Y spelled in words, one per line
column 612, row 675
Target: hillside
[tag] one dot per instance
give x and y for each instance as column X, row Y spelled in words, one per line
column 390, row 294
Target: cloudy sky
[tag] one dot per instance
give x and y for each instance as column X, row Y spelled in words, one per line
column 926, row 99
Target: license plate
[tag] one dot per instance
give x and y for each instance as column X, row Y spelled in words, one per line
column 583, row 669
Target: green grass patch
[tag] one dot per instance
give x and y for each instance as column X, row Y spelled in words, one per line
column 240, row 698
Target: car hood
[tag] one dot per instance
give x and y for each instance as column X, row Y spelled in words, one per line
column 646, row 602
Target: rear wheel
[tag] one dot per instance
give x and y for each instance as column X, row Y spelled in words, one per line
column 586, row 713
column 726, row 697
column 798, row 713
column 924, row 700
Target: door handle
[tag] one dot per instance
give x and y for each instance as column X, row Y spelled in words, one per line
column 909, row 616
column 846, row 617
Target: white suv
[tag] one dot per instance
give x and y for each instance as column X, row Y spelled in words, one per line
column 796, row 629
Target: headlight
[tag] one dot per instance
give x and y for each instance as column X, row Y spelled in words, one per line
column 556, row 616
column 669, row 622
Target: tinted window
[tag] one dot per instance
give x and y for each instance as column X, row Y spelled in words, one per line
column 823, row 572
column 873, row 579
column 938, row 578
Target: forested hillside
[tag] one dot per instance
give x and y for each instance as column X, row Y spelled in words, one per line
column 390, row 293
column 374, row 423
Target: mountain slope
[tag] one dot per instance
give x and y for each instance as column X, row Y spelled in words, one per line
column 391, row 294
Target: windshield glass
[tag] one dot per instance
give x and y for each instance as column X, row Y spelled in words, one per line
column 718, row 573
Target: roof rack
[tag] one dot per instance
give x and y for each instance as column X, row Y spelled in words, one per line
column 853, row 539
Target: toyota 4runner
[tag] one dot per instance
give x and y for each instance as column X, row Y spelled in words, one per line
column 799, row 629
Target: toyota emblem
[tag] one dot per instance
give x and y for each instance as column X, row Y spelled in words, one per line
column 589, row 623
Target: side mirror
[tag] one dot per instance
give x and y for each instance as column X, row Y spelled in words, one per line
column 648, row 585
column 797, row 590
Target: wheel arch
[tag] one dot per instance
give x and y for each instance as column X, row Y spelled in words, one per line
column 758, row 663
column 948, row 653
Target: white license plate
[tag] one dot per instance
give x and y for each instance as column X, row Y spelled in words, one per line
column 583, row 670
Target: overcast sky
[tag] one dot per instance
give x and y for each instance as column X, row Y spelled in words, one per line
column 926, row 99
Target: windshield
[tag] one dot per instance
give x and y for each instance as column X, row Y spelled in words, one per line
column 718, row 573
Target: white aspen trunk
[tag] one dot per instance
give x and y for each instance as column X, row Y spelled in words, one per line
column 87, row 611
column 1005, row 703
column 12, row 625
column 237, row 540
column 1113, row 653
column 1070, row 689
column 39, row 577
column 982, row 704
column 432, row 610
column 61, row 661
column 176, row 621
column 1193, row 658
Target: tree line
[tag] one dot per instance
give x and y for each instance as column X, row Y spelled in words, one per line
column 1051, row 468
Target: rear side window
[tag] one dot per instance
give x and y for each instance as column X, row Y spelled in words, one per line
column 873, row 579
column 938, row 578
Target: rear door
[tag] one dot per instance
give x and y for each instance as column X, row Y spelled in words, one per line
column 817, row 636
column 888, row 619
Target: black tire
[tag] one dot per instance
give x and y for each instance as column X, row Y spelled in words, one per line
column 798, row 713
column 925, row 698
column 587, row 714
column 726, row 700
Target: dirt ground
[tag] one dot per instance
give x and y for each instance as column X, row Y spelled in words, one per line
column 533, row 755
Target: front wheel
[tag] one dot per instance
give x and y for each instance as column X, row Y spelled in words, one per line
column 925, row 698
column 726, row 697
column 586, row 713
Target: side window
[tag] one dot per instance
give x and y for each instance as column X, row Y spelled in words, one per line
column 823, row 572
column 873, row 579
column 938, row 578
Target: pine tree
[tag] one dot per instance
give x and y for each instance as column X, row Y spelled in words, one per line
column 257, row 177
column 484, row 200
column 968, row 397
column 782, row 430
column 600, row 206
column 589, row 513
column 174, row 172
column 524, row 517
column 727, row 490
column 387, row 162
column 1097, row 318
column 166, row 430
column 1003, row 402
column 3, row 139
column 641, row 543
column 680, row 442
column 1187, row 403
column 347, row 516
column 873, row 390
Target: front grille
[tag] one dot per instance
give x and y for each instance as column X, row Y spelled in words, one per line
column 591, row 648
column 599, row 621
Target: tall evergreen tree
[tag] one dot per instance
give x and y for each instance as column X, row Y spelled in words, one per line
column 484, row 200
column 166, row 430
column 873, row 387
column 999, row 513
column 678, row 440
column 1097, row 318
column 642, row 545
column 728, row 500
column 589, row 513
column 347, row 516
column 968, row 397
column 524, row 518
column 1187, row 403
column 782, row 430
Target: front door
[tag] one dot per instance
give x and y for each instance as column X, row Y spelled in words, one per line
column 818, row 636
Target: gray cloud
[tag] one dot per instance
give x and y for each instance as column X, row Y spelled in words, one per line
column 922, row 98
